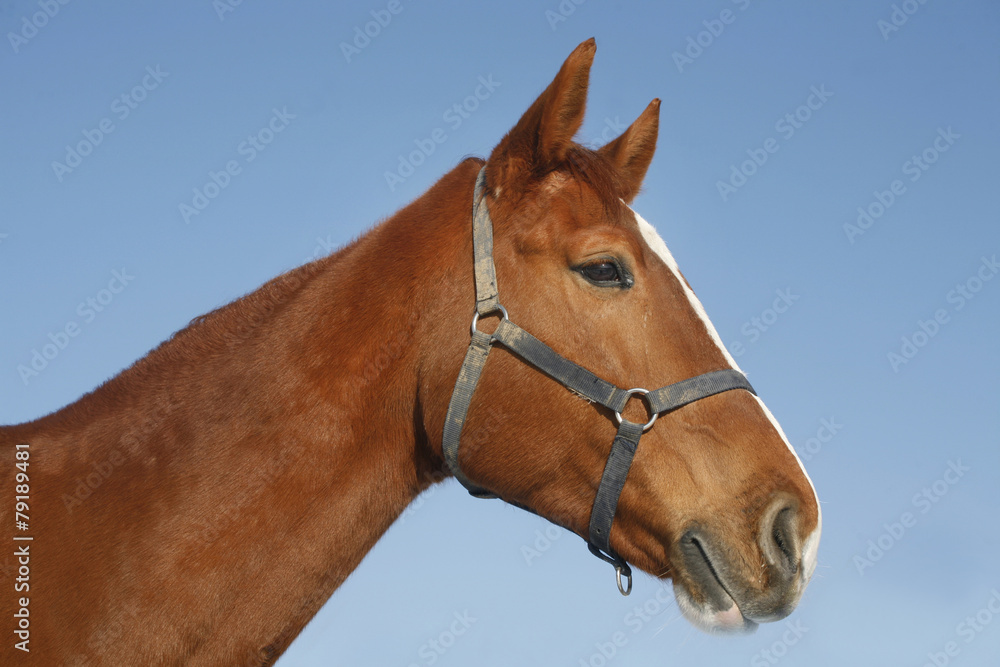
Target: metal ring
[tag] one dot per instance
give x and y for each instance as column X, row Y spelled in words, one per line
column 643, row 392
column 624, row 590
column 475, row 316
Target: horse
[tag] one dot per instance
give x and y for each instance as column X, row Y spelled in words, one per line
column 201, row 506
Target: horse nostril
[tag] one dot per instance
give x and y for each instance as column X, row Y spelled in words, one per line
column 780, row 538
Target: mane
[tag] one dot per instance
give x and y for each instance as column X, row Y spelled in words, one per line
column 207, row 336
column 239, row 318
column 221, row 331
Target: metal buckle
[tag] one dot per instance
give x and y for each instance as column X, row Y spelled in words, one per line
column 631, row 393
column 475, row 316
column 622, row 568
column 624, row 590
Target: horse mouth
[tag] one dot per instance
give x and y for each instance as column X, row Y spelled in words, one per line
column 702, row 592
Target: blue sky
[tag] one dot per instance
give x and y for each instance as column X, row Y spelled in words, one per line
column 808, row 111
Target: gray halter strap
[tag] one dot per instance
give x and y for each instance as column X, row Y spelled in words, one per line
column 575, row 377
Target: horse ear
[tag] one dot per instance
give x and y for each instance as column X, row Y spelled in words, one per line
column 541, row 139
column 633, row 150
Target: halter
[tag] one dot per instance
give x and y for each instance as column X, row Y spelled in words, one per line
column 576, row 378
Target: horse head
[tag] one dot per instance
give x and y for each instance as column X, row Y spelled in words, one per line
column 715, row 498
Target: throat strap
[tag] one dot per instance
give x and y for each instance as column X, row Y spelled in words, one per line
column 458, row 408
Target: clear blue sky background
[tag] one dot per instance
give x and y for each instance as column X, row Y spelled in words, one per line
column 322, row 182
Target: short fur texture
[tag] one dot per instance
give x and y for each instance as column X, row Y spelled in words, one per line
column 200, row 507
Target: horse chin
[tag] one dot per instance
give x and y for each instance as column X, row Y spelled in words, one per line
column 700, row 586
column 706, row 618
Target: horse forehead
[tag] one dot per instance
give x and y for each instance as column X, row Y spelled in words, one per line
column 554, row 182
column 584, row 199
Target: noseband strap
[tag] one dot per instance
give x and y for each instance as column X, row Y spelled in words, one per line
column 576, row 378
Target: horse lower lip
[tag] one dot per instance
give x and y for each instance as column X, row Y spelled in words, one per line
column 733, row 619
column 704, row 572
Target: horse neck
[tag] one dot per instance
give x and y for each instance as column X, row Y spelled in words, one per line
column 230, row 481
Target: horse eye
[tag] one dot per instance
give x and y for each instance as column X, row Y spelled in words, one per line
column 602, row 273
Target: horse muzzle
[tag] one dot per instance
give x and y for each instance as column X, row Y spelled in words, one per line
column 722, row 589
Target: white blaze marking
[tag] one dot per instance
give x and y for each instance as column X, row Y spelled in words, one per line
column 659, row 246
